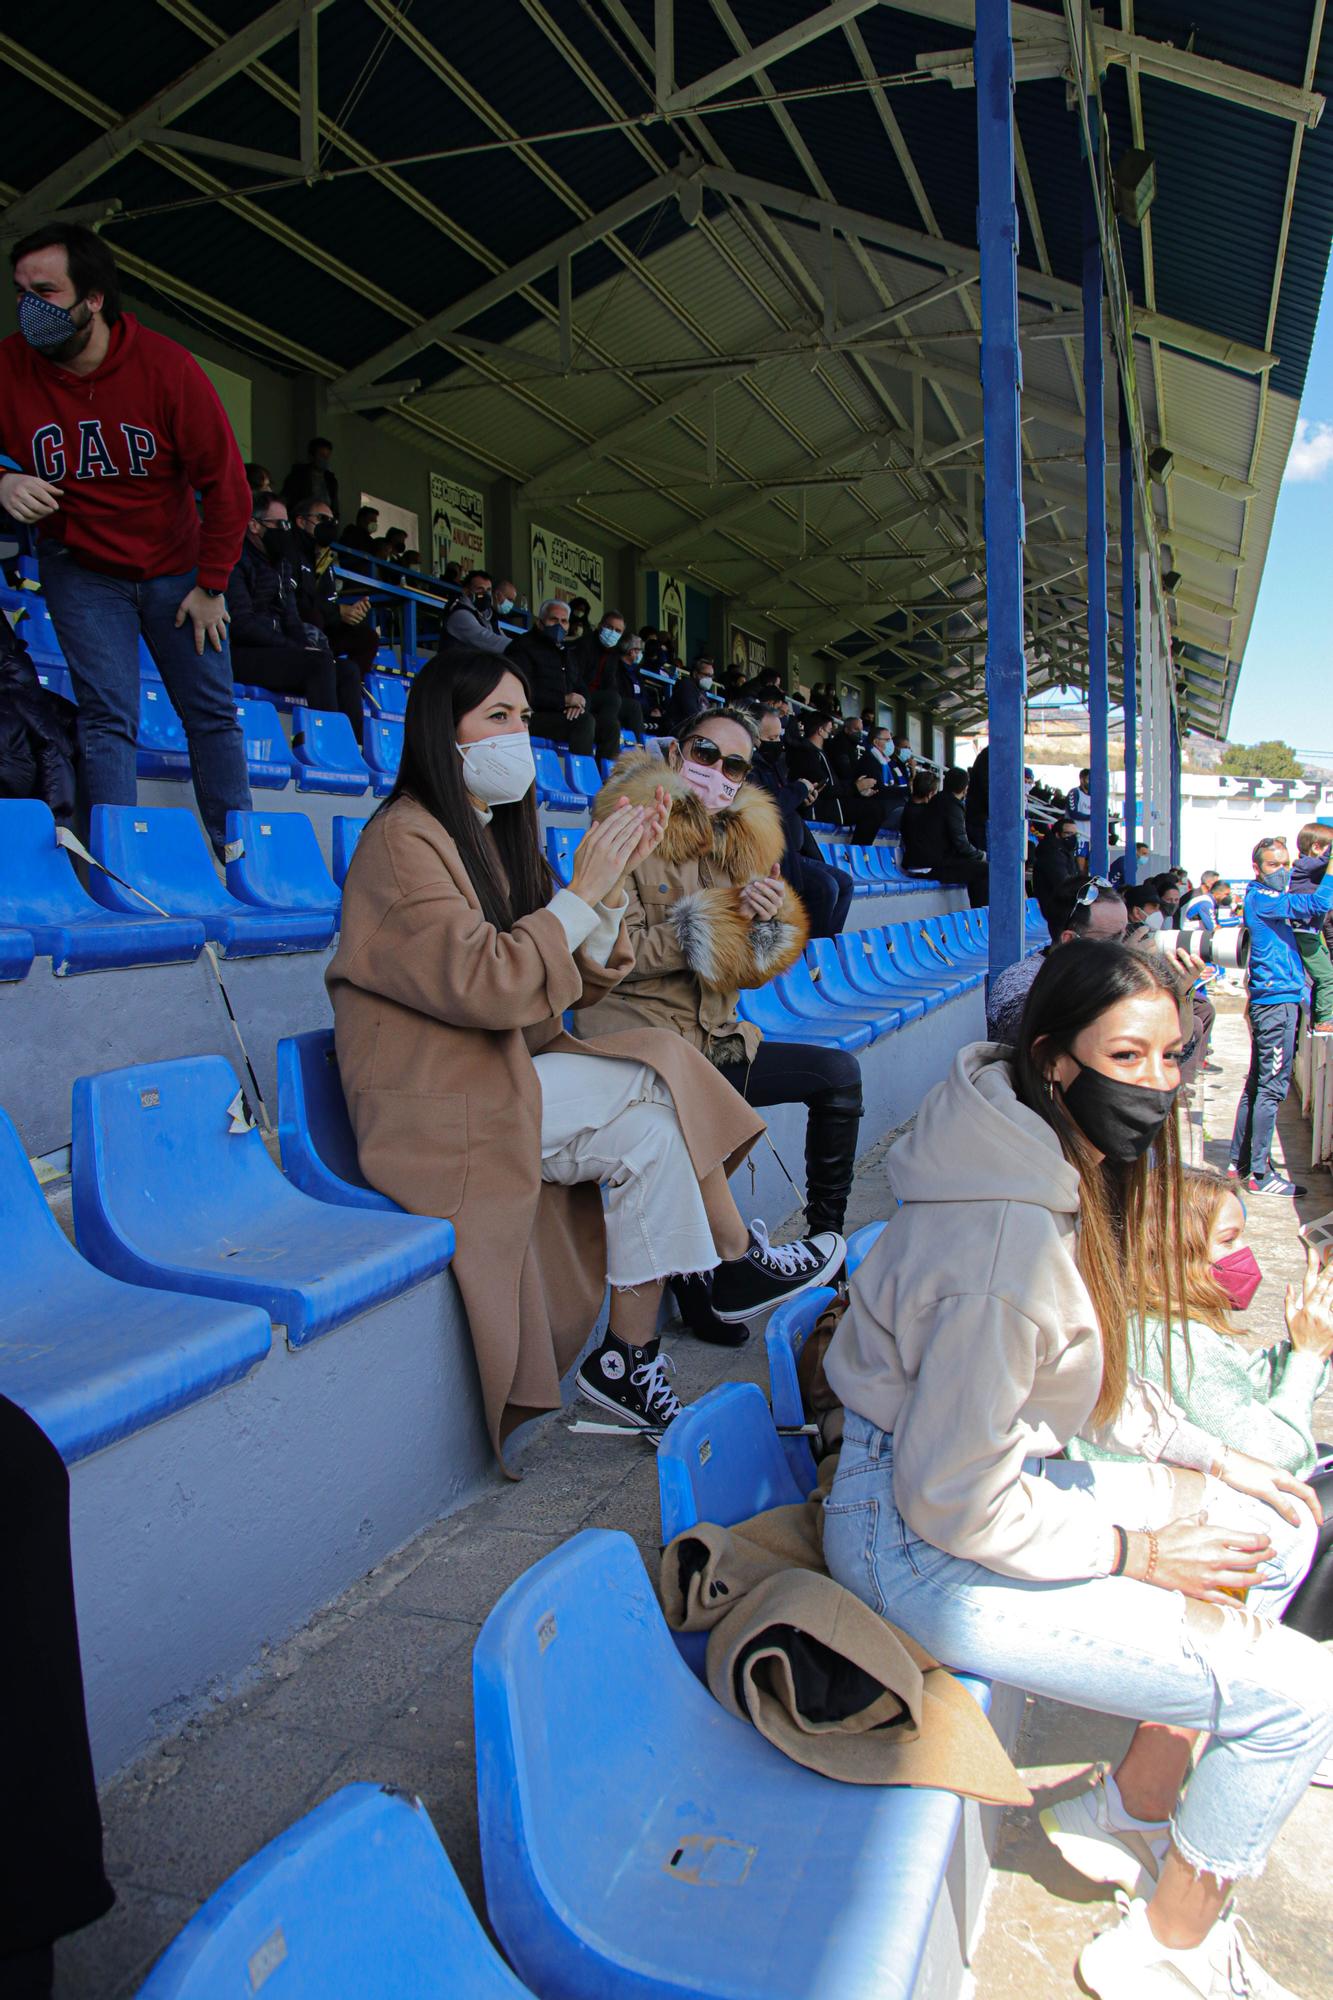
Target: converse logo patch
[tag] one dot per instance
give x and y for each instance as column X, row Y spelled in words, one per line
column 613, row 1365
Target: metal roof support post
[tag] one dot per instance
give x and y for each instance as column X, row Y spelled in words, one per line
column 1175, row 787
column 1094, row 454
column 1129, row 644
column 1001, row 392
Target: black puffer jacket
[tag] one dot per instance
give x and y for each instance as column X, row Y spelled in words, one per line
column 36, row 732
column 552, row 672
column 261, row 597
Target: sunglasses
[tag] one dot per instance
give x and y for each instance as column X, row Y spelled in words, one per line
column 703, row 750
column 1098, row 886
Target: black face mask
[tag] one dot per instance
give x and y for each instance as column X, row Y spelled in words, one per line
column 482, row 600
column 324, row 533
column 772, row 751
column 1070, row 841
column 1120, row 1119
column 278, row 543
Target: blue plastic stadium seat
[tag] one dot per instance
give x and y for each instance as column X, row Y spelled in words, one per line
column 861, row 1242
column 161, row 851
column 706, row 1864
column 17, row 952
column 280, row 866
column 38, row 631
column 148, row 667
column 722, row 1460
column 174, row 1188
column 785, row 1335
column 56, row 680
column 162, row 749
column 833, row 984
column 383, row 739
column 41, row 894
column 899, row 971
column 346, row 832
column 763, row 1006
column 797, row 991
column 267, row 756
column 318, row 1144
column 357, row 1901
column 584, row 777
column 89, row 1358
column 553, row 787
column 386, row 693
column 561, row 845
column 325, row 754
column 854, row 951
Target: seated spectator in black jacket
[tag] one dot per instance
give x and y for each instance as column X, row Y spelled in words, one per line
column 271, row 644
column 1055, row 871
column 689, row 694
column 637, row 695
column 579, row 612
column 345, row 621
column 808, row 762
column 826, row 891
column 312, row 478
column 397, row 540
column 901, row 763
column 939, row 845
column 360, row 535
column 598, row 658
column 923, row 789
column 560, row 708
column 764, row 687
column 474, row 621
column 844, row 755
column 872, row 788
column 37, row 732
column 978, row 799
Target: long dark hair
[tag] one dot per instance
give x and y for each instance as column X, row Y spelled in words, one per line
column 1128, row 1210
column 431, row 772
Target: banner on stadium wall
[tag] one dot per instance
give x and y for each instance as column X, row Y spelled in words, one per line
column 561, row 568
column 748, row 652
column 671, row 611
column 457, row 525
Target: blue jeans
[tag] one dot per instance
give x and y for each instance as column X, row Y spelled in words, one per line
column 1264, row 1693
column 98, row 621
column 1272, row 1048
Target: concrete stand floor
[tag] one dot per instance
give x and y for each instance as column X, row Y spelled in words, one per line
column 378, row 1687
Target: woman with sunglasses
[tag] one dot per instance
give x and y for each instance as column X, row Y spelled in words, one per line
column 564, row 1165
column 709, row 914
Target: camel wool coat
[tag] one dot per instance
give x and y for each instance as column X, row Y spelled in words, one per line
column 437, row 1016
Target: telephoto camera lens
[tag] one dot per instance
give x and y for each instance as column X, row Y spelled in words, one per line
column 1221, row 948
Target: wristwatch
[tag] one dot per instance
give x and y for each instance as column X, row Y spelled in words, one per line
column 209, row 591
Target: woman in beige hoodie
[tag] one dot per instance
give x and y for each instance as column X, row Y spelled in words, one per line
column 987, row 1328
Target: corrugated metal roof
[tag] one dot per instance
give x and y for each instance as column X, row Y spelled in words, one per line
column 342, row 268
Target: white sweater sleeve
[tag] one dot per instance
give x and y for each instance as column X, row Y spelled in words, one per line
column 1149, row 1425
column 591, row 930
column 959, row 1446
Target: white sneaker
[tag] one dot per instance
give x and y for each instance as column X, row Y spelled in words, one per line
column 1099, row 1839
column 1324, row 1775
column 1127, row 1963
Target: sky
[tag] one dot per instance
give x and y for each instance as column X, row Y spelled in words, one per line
column 1286, row 682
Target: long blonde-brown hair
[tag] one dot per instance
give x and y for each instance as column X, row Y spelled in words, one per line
column 1202, row 1193
column 1126, row 1208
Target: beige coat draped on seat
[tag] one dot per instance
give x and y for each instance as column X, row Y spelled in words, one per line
column 437, row 1017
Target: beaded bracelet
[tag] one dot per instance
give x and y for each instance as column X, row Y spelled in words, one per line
column 1152, row 1557
column 1122, row 1548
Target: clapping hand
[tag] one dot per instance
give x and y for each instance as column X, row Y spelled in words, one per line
column 761, row 899
column 654, row 826
column 1310, row 1309
column 606, row 851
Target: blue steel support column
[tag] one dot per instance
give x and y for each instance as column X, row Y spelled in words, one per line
column 1094, row 453
column 1129, row 642
column 1001, row 386
column 1175, row 787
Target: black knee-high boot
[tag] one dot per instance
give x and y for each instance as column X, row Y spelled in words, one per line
column 830, row 1156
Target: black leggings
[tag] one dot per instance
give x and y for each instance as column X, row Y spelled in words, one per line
column 828, row 1081
column 326, row 683
column 51, row 1875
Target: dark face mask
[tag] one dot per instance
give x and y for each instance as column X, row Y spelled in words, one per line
column 1120, row 1119
column 324, row 533
column 278, row 543
column 1069, row 841
column 482, row 600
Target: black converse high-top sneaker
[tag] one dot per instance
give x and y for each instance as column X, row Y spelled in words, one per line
column 768, row 1273
column 632, row 1382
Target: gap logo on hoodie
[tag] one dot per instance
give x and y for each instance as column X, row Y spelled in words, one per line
column 89, row 456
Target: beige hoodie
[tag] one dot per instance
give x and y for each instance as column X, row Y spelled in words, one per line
column 972, row 1338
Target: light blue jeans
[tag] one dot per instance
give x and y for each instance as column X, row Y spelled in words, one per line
column 1263, row 1694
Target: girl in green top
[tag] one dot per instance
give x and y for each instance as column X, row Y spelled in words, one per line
column 1258, row 1402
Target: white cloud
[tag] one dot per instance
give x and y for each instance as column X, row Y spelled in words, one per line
column 1311, row 452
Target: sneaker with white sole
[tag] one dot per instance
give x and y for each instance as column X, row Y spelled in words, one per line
column 1127, row 1963
column 768, row 1273
column 632, row 1383
column 1101, row 1841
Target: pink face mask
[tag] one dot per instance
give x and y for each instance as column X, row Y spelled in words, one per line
column 708, row 781
column 1239, row 1276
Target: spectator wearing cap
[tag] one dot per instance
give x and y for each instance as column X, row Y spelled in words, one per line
column 312, row 478
column 474, row 620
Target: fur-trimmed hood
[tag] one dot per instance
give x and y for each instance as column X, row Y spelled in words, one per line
column 742, row 841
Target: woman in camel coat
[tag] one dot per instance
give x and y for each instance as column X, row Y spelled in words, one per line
column 456, row 961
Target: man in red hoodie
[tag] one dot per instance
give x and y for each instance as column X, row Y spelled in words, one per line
column 115, row 429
